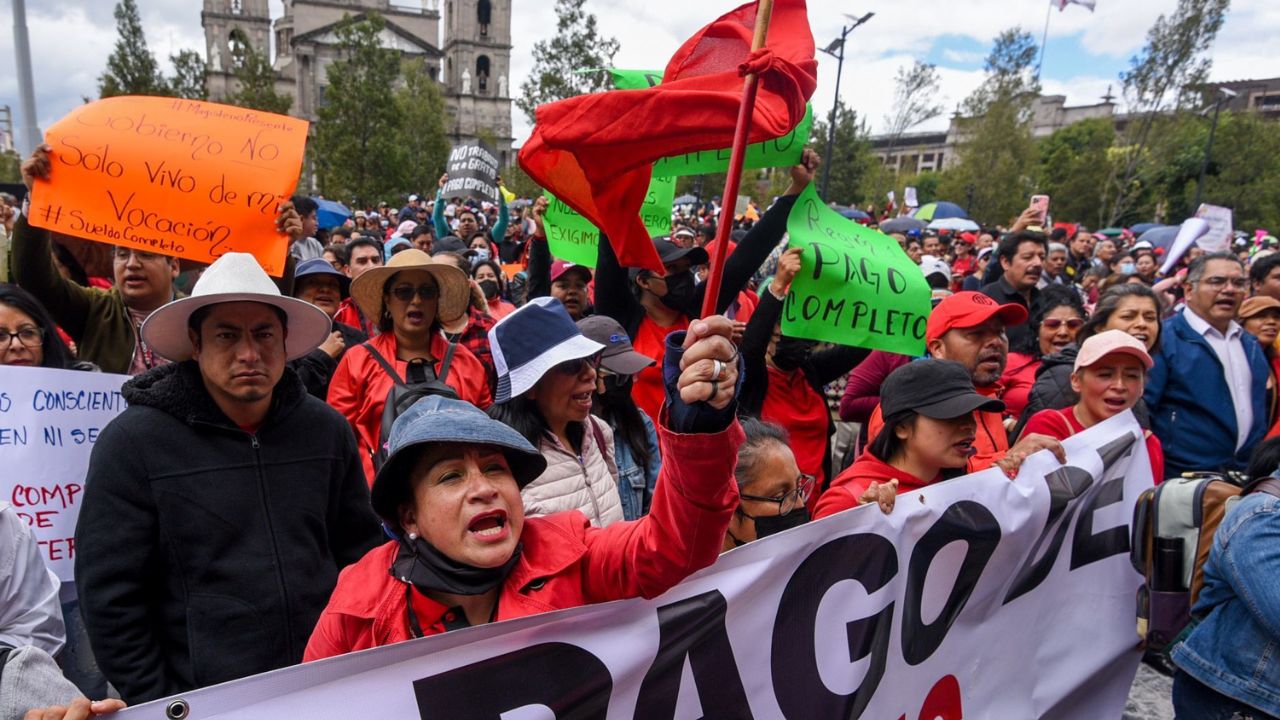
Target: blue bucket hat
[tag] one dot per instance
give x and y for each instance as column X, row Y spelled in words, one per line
column 438, row 419
column 320, row 266
column 532, row 340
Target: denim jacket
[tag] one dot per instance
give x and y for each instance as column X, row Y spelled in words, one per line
column 1236, row 647
column 636, row 482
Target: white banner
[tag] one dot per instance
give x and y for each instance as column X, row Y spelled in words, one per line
column 978, row 597
column 49, row 421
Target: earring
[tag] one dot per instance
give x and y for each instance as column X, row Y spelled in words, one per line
column 413, row 536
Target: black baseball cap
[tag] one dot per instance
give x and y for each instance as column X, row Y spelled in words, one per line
column 670, row 252
column 938, row 389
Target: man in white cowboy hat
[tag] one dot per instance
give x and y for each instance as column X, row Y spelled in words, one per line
column 221, row 505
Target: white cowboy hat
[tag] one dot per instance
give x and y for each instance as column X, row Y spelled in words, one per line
column 234, row 277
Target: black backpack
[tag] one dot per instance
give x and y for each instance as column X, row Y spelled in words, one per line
column 421, row 381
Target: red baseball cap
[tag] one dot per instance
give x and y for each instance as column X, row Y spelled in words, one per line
column 967, row 309
column 560, row 267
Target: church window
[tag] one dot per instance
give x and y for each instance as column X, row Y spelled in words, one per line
column 484, row 14
column 236, row 7
column 482, row 73
column 240, row 47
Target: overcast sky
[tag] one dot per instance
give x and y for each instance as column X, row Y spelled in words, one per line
column 71, row 40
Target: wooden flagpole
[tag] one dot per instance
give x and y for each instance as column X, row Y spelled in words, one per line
column 764, row 11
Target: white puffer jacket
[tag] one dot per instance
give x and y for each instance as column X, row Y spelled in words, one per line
column 589, row 484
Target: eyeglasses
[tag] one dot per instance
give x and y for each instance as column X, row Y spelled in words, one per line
column 788, row 501
column 1055, row 323
column 1217, row 281
column 28, row 337
column 573, row 367
column 405, row 293
column 122, row 254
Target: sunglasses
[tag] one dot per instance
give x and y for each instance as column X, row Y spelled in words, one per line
column 573, row 367
column 1055, row 323
column 405, row 293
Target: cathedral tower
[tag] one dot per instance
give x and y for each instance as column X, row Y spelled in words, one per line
column 231, row 27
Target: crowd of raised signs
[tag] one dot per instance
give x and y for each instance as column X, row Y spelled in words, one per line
column 431, row 423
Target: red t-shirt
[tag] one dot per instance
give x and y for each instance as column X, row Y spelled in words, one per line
column 1062, row 424
column 792, row 403
column 649, row 390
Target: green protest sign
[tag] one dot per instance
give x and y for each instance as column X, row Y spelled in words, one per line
column 779, row 152
column 784, row 151
column 855, row 286
column 572, row 237
column 635, row 79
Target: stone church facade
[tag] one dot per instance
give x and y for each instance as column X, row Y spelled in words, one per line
column 471, row 59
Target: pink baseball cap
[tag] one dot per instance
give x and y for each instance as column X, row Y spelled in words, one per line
column 1108, row 342
column 560, row 267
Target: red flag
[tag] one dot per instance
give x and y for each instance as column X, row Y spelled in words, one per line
column 595, row 152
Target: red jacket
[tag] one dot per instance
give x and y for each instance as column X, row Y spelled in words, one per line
column 359, row 387
column 565, row 561
column 1018, row 379
column 850, row 484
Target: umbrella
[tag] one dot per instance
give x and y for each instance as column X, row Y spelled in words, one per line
column 1162, row 236
column 1143, row 227
column 852, row 213
column 939, row 210
column 330, row 214
column 1111, row 232
column 902, row 225
column 684, row 200
column 519, row 203
column 954, row 224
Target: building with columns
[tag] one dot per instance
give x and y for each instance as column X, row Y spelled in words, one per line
column 471, row 58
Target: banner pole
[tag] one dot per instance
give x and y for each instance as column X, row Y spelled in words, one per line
column 764, row 10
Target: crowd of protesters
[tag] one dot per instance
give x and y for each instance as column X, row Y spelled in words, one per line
column 431, row 423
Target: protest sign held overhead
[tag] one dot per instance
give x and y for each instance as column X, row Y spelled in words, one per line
column 968, row 600
column 473, row 172
column 49, row 422
column 572, row 237
column 178, row 177
column 855, row 285
column 1218, row 237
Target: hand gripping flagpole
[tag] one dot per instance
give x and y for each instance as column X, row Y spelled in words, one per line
column 764, row 10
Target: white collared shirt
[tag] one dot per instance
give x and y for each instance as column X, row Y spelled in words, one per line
column 1235, row 364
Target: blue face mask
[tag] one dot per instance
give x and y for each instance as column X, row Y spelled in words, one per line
column 1128, row 268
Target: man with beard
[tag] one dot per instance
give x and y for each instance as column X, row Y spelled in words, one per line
column 1021, row 256
column 969, row 328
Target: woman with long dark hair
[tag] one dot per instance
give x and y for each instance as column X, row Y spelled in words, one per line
column 28, row 335
column 635, row 440
column 1056, row 317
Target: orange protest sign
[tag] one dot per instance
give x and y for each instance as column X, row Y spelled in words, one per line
column 178, row 177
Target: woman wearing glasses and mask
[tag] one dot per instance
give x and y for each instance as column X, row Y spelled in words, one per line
column 928, row 436
column 410, row 297
column 772, row 491
column 547, row 372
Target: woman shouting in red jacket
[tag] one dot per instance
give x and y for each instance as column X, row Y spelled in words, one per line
column 464, row 553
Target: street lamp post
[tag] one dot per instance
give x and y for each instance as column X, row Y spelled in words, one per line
column 831, row 50
column 1225, row 94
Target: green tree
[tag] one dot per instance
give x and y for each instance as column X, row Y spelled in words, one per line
column 1243, row 173
column 572, row 62
column 1168, row 76
column 10, row 167
column 131, row 68
column 852, row 162
column 420, row 106
column 256, row 85
column 996, row 152
column 357, row 134
column 515, row 179
column 188, row 79
column 1073, row 169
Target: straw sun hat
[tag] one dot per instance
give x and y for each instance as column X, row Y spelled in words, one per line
column 455, row 289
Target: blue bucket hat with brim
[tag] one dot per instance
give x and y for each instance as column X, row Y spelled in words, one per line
column 438, row 419
column 530, row 341
column 320, row 266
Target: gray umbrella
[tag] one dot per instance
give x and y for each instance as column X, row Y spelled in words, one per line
column 901, row 225
column 684, row 200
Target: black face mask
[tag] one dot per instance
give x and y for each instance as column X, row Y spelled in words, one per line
column 680, row 291
column 767, row 525
column 489, row 288
column 429, row 569
column 791, row 353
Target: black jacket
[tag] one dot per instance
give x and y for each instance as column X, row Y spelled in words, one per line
column 1002, row 292
column 206, row 553
column 315, row 369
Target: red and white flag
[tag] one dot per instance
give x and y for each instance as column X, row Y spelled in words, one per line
column 1062, row 4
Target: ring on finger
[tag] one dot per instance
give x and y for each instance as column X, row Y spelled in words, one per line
column 715, row 390
column 717, row 370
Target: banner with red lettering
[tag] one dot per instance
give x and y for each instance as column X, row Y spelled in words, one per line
column 49, row 421
column 978, row 597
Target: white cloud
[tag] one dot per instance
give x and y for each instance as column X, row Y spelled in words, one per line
column 71, row 40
